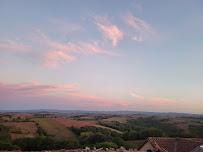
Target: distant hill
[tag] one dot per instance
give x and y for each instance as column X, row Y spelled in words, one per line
column 49, row 111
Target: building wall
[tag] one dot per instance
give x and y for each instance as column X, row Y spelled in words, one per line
column 146, row 147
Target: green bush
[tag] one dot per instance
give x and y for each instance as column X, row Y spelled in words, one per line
column 41, row 131
column 69, row 144
column 129, row 145
column 5, row 136
column 6, row 145
column 107, row 145
column 35, row 144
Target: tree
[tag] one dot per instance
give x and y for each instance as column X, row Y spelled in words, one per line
column 107, row 145
column 6, row 145
column 41, row 131
column 131, row 135
column 69, row 144
column 5, row 136
column 35, row 144
column 129, row 145
column 84, row 137
column 151, row 132
column 97, row 138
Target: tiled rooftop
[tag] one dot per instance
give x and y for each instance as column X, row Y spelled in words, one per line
column 169, row 144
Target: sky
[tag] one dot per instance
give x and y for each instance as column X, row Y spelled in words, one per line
column 129, row 55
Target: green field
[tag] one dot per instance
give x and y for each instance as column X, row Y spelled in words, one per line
column 54, row 128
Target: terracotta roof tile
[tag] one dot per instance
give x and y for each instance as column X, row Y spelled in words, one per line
column 168, row 144
column 185, row 145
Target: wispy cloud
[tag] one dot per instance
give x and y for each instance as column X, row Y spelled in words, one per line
column 95, row 100
column 143, row 30
column 155, row 101
column 60, row 53
column 32, row 88
column 66, row 94
column 162, row 100
column 109, row 30
column 79, row 47
column 52, row 53
column 65, row 26
column 137, row 96
column 53, row 58
column 7, row 44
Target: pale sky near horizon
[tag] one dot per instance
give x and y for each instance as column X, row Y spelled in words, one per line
column 134, row 55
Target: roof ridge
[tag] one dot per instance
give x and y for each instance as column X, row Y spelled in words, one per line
column 193, row 139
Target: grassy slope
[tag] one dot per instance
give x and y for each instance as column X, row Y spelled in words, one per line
column 120, row 132
column 52, row 127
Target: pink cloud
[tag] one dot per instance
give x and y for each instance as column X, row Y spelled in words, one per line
column 109, row 30
column 61, row 95
column 53, row 58
column 6, row 44
column 79, row 48
column 32, row 88
column 53, row 54
column 95, row 100
column 58, row 94
column 60, row 53
column 142, row 29
column 155, row 101
column 163, row 100
column 94, row 49
column 137, row 96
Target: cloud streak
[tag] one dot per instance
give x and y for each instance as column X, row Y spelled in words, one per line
column 61, row 95
column 155, row 101
column 32, row 89
column 7, row 44
column 51, row 53
column 79, row 47
column 109, row 30
column 68, row 94
column 53, row 58
column 99, row 100
column 143, row 30
column 137, row 96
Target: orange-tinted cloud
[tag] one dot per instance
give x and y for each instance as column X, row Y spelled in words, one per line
column 109, row 30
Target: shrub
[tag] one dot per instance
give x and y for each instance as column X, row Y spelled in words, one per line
column 107, row 145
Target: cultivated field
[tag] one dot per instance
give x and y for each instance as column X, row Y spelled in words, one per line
column 22, row 115
column 75, row 123
column 21, row 129
column 184, row 123
column 53, row 127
